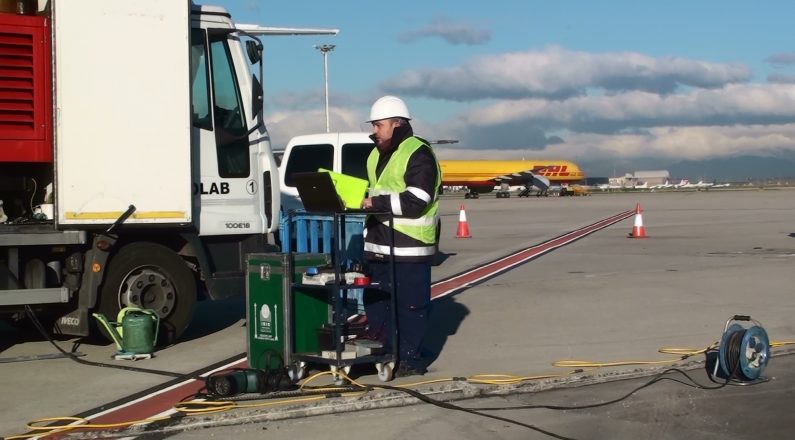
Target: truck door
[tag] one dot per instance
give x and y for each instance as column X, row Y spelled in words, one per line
column 228, row 192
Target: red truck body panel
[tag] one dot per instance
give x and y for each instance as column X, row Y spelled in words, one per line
column 25, row 89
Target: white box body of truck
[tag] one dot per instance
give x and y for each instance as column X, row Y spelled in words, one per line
column 122, row 102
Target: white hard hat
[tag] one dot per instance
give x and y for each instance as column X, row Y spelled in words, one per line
column 389, row 107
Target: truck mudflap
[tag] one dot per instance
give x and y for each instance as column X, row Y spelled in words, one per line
column 76, row 322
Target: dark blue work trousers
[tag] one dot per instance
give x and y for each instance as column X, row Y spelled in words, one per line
column 413, row 298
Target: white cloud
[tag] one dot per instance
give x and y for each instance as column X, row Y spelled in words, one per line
column 780, row 78
column 450, row 31
column 556, row 103
column 781, row 58
column 695, row 143
column 313, row 99
column 738, row 119
column 755, row 119
column 283, row 125
column 558, row 73
column 733, row 104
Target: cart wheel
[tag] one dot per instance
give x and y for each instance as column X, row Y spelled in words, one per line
column 297, row 371
column 338, row 379
column 385, row 371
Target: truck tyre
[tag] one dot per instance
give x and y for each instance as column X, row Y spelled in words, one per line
column 150, row 276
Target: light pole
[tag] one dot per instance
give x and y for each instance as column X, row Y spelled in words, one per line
column 324, row 50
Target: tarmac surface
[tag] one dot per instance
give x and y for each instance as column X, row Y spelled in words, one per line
column 606, row 298
column 672, row 408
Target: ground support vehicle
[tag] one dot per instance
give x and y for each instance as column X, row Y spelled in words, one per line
column 573, row 191
column 135, row 166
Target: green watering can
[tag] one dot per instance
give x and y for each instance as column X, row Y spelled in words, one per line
column 134, row 332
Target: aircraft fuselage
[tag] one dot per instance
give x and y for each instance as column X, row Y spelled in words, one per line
column 481, row 176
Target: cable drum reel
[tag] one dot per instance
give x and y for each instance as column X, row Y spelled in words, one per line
column 744, row 350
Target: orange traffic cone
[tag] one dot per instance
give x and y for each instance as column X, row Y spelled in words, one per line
column 638, row 231
column 463, row 227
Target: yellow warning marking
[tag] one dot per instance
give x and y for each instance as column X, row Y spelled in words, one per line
column 113, row 215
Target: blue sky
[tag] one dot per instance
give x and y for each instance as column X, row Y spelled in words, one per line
column 628, row 82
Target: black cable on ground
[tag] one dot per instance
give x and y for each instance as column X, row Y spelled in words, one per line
column 446, row 405
column 40, row 328
column 657, row 378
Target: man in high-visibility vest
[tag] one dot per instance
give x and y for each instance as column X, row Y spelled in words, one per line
column 404, row 180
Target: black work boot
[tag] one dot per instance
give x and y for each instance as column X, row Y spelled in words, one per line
column 406, row 370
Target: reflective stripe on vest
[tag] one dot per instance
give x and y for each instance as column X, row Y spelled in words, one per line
column 419, row 251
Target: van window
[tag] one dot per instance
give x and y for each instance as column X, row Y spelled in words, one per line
column 354, row 159
column 306, row 158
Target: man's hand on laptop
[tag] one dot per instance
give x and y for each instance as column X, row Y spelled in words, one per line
column 367, row 203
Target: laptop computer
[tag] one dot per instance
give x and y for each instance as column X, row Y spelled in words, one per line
column 350, row 189
column 317, row 192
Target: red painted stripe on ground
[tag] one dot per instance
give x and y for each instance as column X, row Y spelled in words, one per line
column 160, row 400
column 463, row 280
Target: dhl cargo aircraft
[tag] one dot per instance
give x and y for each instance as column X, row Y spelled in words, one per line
column 481, row 176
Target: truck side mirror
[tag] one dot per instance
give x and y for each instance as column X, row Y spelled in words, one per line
column 254, row 51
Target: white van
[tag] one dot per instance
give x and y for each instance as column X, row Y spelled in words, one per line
column 344, row 153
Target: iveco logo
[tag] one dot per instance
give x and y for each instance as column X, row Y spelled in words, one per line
column 241, row 225
column 70, row 321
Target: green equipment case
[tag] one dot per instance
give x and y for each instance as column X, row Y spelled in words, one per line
column 281, row 319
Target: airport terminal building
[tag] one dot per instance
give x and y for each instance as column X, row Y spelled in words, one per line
column 655, row 177
column 642, row 178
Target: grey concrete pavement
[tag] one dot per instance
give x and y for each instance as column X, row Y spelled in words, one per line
column 710, row 255
column 670, row 409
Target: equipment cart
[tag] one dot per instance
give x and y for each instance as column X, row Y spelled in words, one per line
column 281, row 320
column 342, row 352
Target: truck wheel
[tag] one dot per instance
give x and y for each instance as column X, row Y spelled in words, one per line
column 150, row 276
